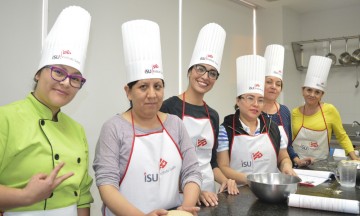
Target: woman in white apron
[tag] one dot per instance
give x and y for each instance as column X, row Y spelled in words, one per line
column 201, row 121
column 315, row 121
column 37, row 138
column 144, row 157
column 279, row 113
column 248, row 142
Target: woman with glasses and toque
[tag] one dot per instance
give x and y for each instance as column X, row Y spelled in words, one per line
column 201, row 121
column 314, row 122
column 248, row 142
column 43, row 152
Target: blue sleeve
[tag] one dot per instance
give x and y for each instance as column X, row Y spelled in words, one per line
column 292, row 153
column 223, row 141
column 286, row 117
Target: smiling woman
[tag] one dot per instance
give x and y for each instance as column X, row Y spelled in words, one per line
column 202, row 121
column 315, row 121
column 249, row 142
column 33, row 163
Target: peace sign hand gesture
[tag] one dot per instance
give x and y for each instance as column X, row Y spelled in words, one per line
column 41, row 185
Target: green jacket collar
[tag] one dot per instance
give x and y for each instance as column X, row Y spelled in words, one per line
column 43, row 111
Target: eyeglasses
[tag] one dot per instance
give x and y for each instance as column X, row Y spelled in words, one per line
column 212, row 74
column 59, row 74
column 249, row 99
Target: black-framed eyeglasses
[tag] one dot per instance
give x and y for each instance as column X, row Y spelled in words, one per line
column 59, row 74
column 212, row 74
column 249, row 99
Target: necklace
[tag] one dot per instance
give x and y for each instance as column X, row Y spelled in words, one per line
column 271, row 109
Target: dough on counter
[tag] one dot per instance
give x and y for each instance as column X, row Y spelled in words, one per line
column 179, row 213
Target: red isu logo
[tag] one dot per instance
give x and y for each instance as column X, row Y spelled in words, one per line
column 257, row 155
column 66, row 52
column 201, row 142
column 155, row 66
column 163, row 163
column 210, row 56
column 314, row 144
column 255, row 86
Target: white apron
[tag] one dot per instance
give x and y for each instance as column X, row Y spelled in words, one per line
column 68, row 211
column 151, row 180
column 253, row 154
column 202, row 136
column 312, row 143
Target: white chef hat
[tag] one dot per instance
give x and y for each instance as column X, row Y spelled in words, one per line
column 67, row 41
column 274, row 55
column 209, row 46
column 250, row 71
column 142, row 50
column 317, row 73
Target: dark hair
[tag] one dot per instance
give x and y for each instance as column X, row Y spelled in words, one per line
column 236, row 107
column 131, row 84
column 190, row 69
column 35, row 80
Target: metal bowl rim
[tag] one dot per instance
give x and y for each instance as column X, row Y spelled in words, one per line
column 279, row 174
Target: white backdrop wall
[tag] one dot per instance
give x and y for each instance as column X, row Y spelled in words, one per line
column 20, row 43
column 103, row 96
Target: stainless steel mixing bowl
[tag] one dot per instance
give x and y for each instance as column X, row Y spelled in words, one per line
column 272, row 187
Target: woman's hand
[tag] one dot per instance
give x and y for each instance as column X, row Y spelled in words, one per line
column 231, row 187
column 353, row 156
column 41, row 185
column 304, row 162
column 289, row 171
column 208, row 198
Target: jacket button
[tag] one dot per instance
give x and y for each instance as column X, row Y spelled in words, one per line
column 57, row 157
column 78, row 160
column 75, row 193
column 42, row 122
